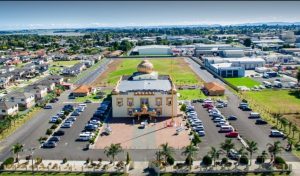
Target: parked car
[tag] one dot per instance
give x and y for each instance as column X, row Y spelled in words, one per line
column 276, row 133
column 90, row 127
column 201, row 133
column 75, row 113
column 59, row 133
column 232, row 134
column 220, row 105
column 261, row 122
column 68, row 107
column 54, row 139
column 49, row 144
column 254, row 115
column 54, row 119
column 233, row 154
column 48, row 107
column 231, row 117
column 67, row 124
column 88, row 101
column 226, row 128
column 54, row 100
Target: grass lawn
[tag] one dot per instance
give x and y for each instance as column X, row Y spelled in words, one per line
column 244, row 81
column 182, row 73
column 64, row 63
column 275, row 100
column 190, row 94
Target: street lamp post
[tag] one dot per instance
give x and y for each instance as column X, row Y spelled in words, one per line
column 32, row 167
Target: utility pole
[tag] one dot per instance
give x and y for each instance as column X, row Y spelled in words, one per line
column 32, row 167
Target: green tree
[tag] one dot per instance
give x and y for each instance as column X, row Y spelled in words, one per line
column 16, row 149
column 227, row 145
column 274, row 149
column 214, row 154
column 252, row 148
column 294, row 128
column 166, row 151
column 298, row 76
column 113, row 150
column 190, row 152
column 196, row 139
column 290, row 124
column 183, row 108
column 128, row 159
column 247, row 42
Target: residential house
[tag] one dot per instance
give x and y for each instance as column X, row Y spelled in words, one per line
column 82, row 91
column 49, row 84
column 56, row 79
column 24, row 99
column 8, row 108
column 39, row 91
column 74, row 70
column 5, row 80
column 18, row 74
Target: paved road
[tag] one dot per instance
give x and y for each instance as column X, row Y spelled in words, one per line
column 245, row 126
column 30, row 132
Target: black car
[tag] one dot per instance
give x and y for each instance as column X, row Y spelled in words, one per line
column 231, row 117
column 59, row 133
column 261, row 122
column 68, row 107
column 245, row 108
column 54, row 139
column 54, row 100
column 49, row 144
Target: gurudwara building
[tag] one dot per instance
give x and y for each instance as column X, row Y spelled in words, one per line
column 144, row 93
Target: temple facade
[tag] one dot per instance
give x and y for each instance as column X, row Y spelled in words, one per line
column 144, row 93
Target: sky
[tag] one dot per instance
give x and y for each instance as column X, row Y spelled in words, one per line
column 79, row 14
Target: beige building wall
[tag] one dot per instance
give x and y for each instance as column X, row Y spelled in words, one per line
column 122, row 111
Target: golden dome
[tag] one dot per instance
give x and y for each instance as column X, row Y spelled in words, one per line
column 145, row 67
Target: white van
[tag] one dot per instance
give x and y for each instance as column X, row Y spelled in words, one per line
column 85, row 137
column 254, row 115
column 82, row 105
column 226, row 128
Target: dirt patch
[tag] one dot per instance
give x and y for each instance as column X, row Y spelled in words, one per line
column 295, row 118
column 110, row 68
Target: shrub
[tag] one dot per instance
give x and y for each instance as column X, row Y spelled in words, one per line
column 170, row 160
column 260, row 159
column 207, row 161
column 224, row 160
column 87, row 161
column 38, row 161
column 54, row 126
column 183, row 108
column 244, row 159
column 58, row 121
column 64, row 160
column 43, row 138
column 189, row 161
column 279, row 160
column 49, row 132
column 8, row 161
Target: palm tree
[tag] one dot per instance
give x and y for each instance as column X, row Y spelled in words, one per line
column 290, row 127
column 241, row 152
column 158, row 156
column 113, row 150
column 214, row 153
column 227, row 145
column 190, row 151
column 294, row 128
column 274, row 149
column 167, row 151
column 16, row 149
column 252, row 148
column 277, row 116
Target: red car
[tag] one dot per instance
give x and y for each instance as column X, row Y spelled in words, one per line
column 207, row 105
column 232, row 134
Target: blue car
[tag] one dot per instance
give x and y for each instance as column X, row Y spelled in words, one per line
column 231, row 117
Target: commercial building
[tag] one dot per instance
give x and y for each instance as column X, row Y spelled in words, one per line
column 144, row 93
column 152, row 50
column 224, row 50
column 232, row 67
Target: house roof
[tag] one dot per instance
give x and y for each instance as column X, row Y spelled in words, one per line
column 19, row 95
column 213, row 86
column 83, row 89
column 7, row 104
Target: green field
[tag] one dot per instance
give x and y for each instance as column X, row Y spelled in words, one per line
column 181, row 74
column 190, row 94
column 244, row 81
column 64, row 63
column 275, row 100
